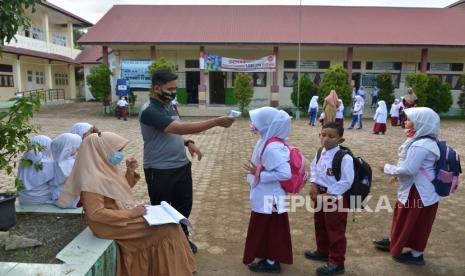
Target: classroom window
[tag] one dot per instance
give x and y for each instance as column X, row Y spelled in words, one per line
column 290, row 64
column 6, row 68
column 59, row 39
column 356, row 65
column 29, row 76
column 61, row 79
column 192, row 63
column 383, row 65
column 452, row 80
column 40, row 77
column 6, row 81
column 291, row 77
column 258, row 79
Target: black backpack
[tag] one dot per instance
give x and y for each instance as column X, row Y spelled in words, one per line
column 362, row 176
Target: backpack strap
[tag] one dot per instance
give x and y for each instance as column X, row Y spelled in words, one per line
column 271, row 140
column 337, row 162
column 318, row 154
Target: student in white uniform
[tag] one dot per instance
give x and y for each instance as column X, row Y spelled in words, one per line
column 340, row 113
column 83, row 129
column 395, row 109
column 330, row 224
column 417, row 200
column 38, row 175
column 64, row 148
column 358, row 112
column 380, row 118
column 313, row 110
column 268, row 236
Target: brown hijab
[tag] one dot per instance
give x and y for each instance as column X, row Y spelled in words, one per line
column 330, row 106
column 92, row 172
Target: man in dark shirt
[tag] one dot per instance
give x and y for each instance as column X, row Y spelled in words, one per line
column 166, row 166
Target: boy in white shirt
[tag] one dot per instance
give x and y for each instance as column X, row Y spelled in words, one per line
column 122, row 103
column 330, row 224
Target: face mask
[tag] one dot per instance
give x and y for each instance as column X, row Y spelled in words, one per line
column 167, row 96
column 116, row 158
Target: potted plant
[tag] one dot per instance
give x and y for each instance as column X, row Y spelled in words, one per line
column 8, row 210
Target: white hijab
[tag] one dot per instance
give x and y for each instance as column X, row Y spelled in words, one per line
column 359, row 100
column 270, row 122
column 426, row 122
column 80, row 129
column 64, row 148
column 382, row 109
column 314, row 102
column 29, row 175
column 341, row 106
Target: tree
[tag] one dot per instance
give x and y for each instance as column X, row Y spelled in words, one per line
column 337, row 78
column 461, row 101
column 438, row 95
column 99, row 83
column 386, row 88
column 243, row 90
column 307, row 90
column 12, row 16
column 419, row 83
column 77, row 33
column 15, row 129
column 161, row 63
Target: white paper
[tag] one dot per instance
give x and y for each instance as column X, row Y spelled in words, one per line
column 163, row 214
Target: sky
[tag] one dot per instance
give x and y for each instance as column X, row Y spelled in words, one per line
column 92, row 10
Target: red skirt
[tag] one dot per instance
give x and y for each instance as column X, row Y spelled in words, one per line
column 394, row 121
column 379, row 127
column 411, row 224
column 269, row 236
column 122, row 112
column 340, row 121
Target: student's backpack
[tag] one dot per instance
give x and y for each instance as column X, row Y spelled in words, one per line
column 362, row 176
column 297, row 163
column 447, row 168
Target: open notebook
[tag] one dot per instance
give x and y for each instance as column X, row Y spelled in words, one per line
column 163, row 214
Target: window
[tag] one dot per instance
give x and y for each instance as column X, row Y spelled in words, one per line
column 6, row 68
column 452, row 80
column 291, row 77
column 307, row 64
column 258, row 78
column 36, row 33
column 383, row 66
column 370, row 79
column 59, row 39
column 61, row 79
column 356, row 65
column 454, row 67
column 29, row 76
column 6, row 81
column 290, row 64
column 193, row 63
column 40, row 77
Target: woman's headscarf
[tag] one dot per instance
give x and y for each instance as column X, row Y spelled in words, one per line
column 93, row 172
column 80, row 129
column 332, row 99
column 64, row 148
column 410, row 97
column 359, row 99
column 30, row 176
column 426, row 122
column 382, row 108
column 341, row 105
column 314, row 102
column 270, row 122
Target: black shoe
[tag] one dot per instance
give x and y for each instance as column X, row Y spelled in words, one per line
column 383, row 244
column 407, row 258
column 350, row 128
column 193, row 247
column 264, row 266
column 330, row 269
column 315, row 256
column 359, row 128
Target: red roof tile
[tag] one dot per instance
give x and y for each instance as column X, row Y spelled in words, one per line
column 279, row 25
column 90, row 55
column 31, row 53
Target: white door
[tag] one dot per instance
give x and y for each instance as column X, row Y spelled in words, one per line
column 30, row 80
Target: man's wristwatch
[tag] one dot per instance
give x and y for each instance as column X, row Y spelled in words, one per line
column 187, row 142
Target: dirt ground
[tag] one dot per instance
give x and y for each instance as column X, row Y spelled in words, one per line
column 53, row 231
column 221, row 207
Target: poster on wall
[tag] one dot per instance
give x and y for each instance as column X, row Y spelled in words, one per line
column 210, row 62
column 136, row 72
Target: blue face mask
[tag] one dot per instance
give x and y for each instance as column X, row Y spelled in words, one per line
column 116, row 158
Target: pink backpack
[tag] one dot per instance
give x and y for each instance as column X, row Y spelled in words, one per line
column 297, row 163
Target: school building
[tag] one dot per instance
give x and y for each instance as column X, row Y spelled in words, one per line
column 41, row 58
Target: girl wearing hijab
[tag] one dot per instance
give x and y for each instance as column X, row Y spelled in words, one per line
column 64, row 148
column 417, row 200
column 313, row 110
column 410, row 99
column 38, row 175
column 83, row 129
column 361, row 92
column 330, row 106
column 340, row 113
column 113, row 213
column 395, row 109
column 358, row 112
column 268, row 236
column 380, row 118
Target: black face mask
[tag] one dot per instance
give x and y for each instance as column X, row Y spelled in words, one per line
column 167, row 96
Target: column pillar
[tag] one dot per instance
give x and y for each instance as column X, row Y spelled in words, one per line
column 71, row 37
column 202, row 86
column 275, row 87
column 46, row 32
column 350, row 55
column 424, row 60
column 18, row 74
column 49, row 75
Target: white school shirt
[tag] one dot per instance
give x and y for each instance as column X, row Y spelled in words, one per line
column 122, row 103
column 340, row 112
column 395, row 110
column 380, row 118
column 321, row 172
column 358, row 108
column 276, row 155
column 408, row 172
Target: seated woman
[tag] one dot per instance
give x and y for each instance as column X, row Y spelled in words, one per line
column 38, row 174
column 64, row 148
column 83, row 129
column 112, row 211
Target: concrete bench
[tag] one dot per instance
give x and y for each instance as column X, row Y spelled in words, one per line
column 45, row 209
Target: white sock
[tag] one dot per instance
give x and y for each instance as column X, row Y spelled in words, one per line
column 271, row 262
column 416, row 254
